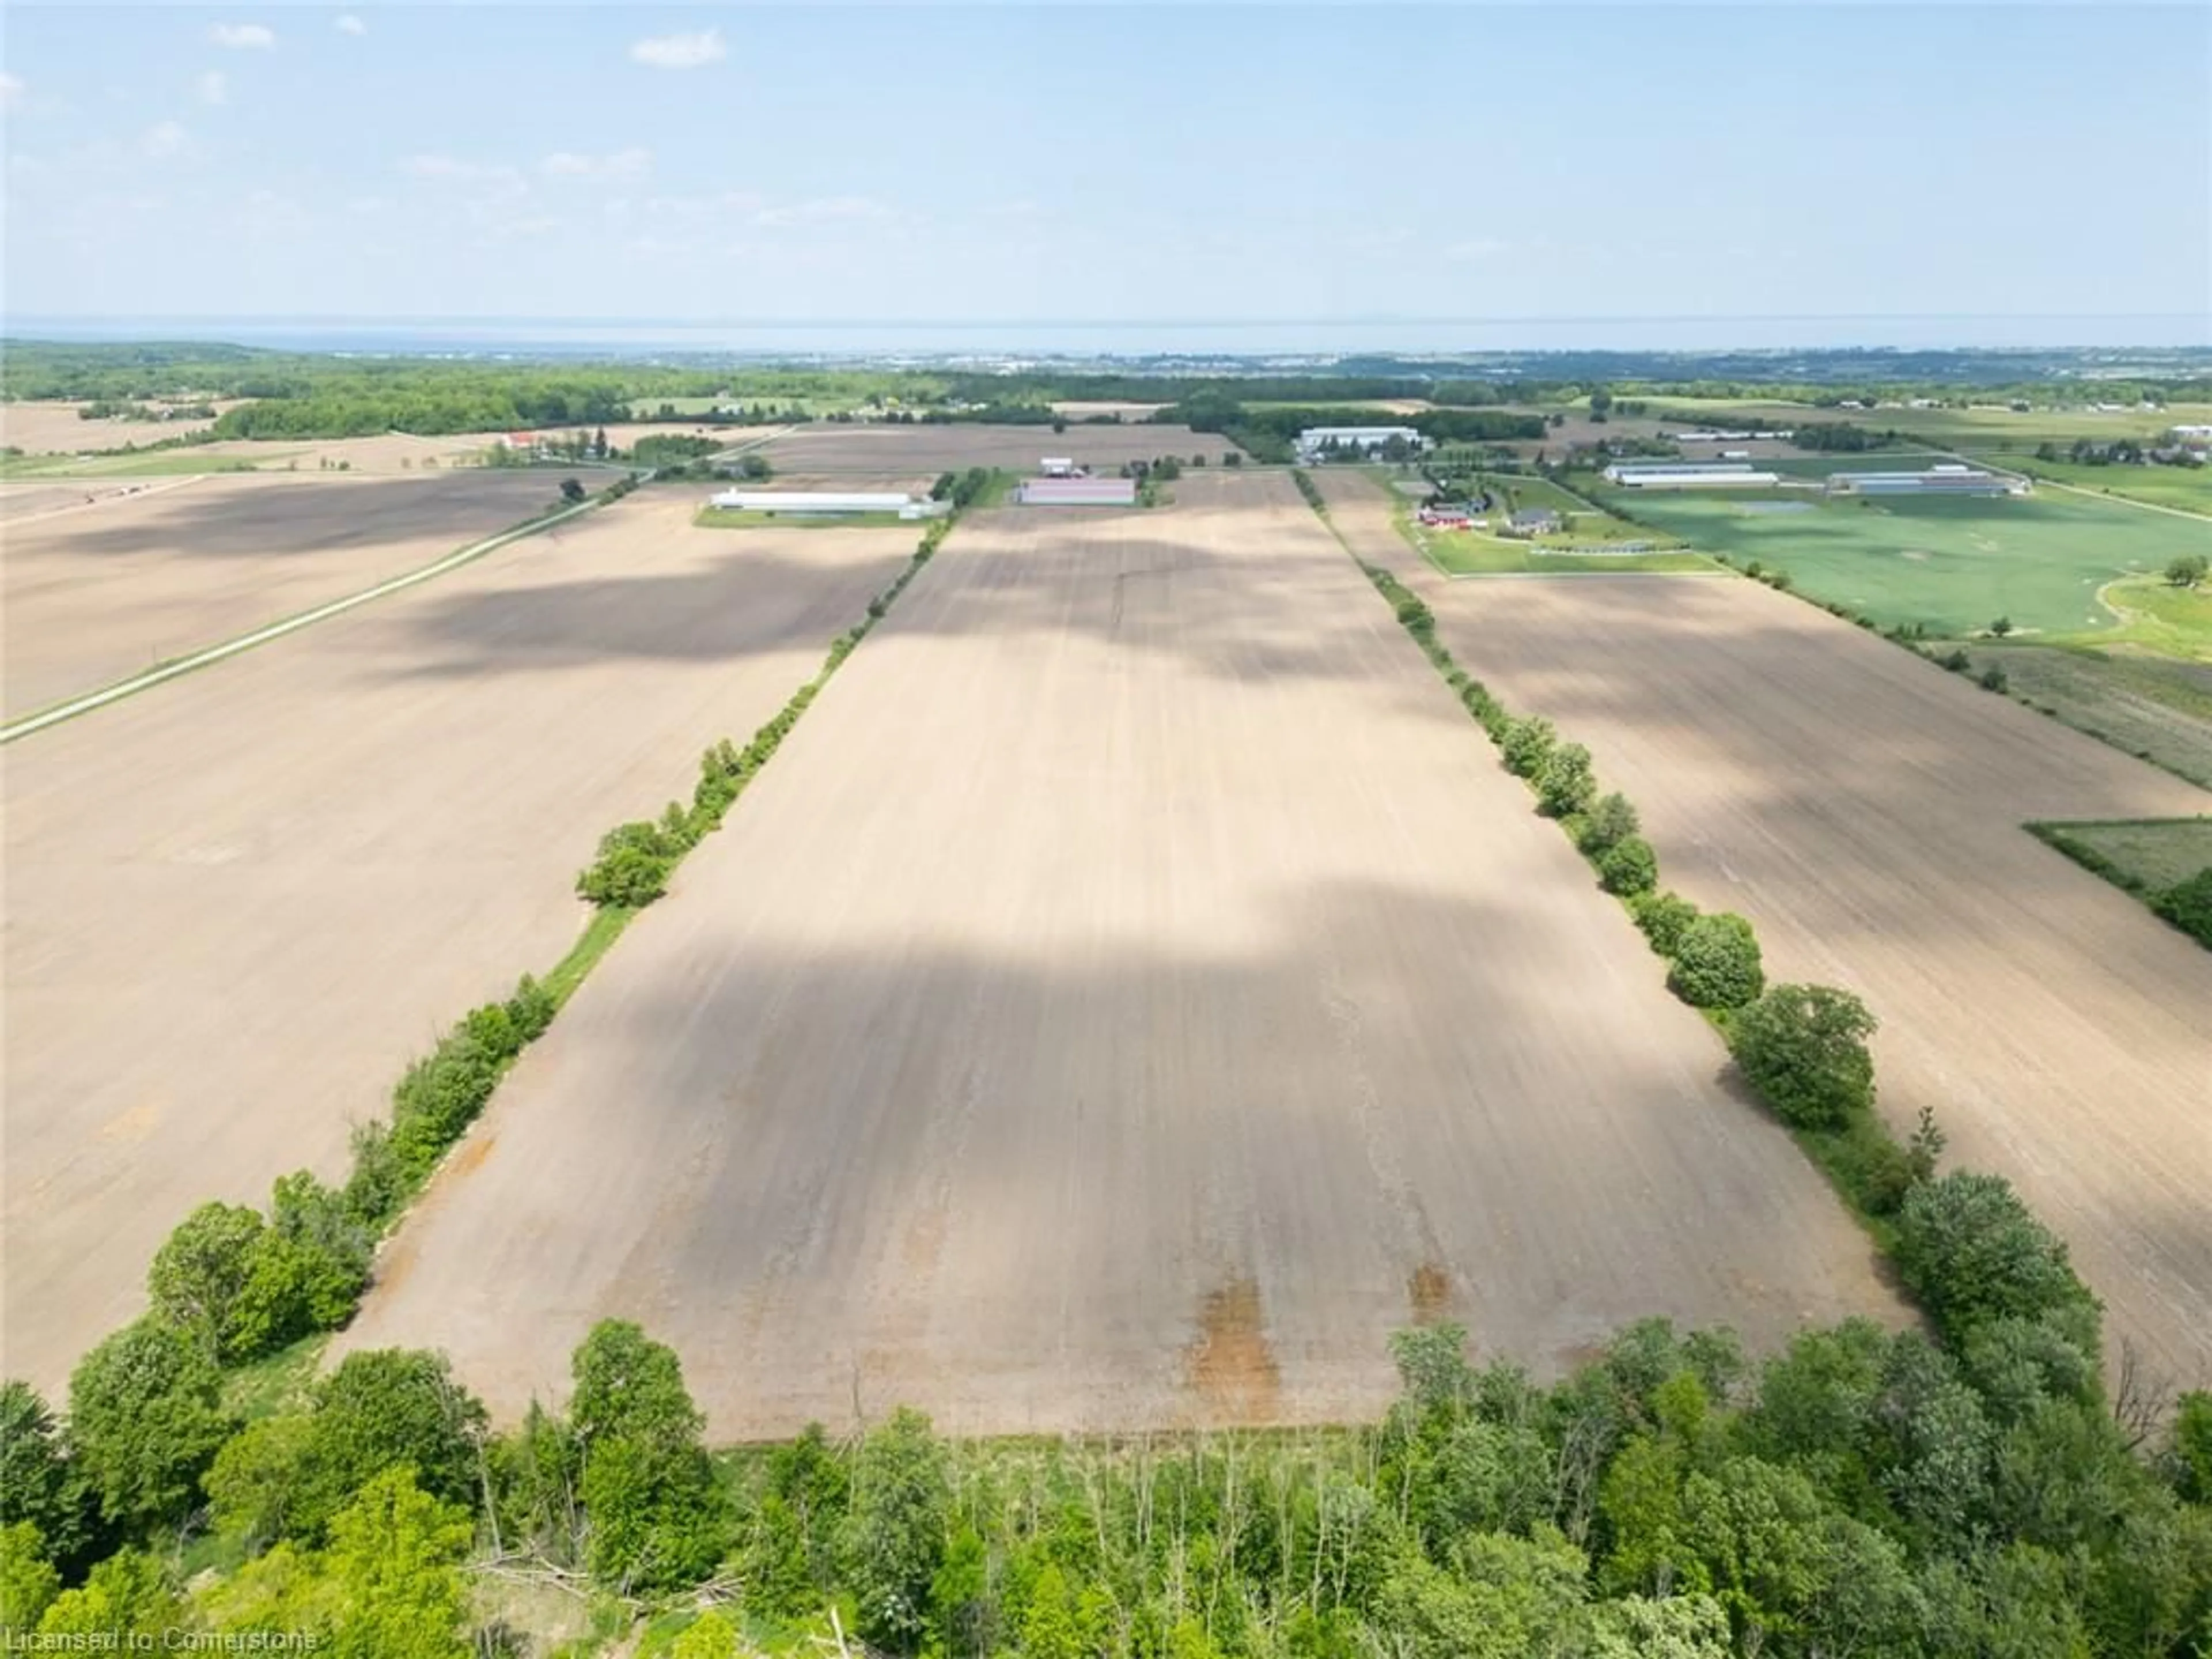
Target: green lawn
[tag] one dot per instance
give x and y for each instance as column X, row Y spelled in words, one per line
column 2189, row 488
column 1951, row 565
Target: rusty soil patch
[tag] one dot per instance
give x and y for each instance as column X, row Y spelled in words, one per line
column 1232, row 1365
column 1429, row 1293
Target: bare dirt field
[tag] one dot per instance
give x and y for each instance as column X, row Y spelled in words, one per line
column 95, row 592
column 1864, row 809
column 239, row 903
column 824, row 447
column 391, row 453
column 1133, row 993
column 48, row 428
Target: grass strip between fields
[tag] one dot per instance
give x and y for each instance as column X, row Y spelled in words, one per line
column 1715, row 960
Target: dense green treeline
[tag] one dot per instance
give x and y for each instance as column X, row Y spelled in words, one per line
column 1862, row 1492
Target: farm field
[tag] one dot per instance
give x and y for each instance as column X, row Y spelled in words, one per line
column 2149, row 705
column 1953, row 565
column 1132, row 993
column 1864, row 809
column 2188, row 489
column 829, row 449
column 47, row 427
column 95, row 592
column 240, row 903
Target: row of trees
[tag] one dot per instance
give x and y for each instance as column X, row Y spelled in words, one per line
column 1860, row 1492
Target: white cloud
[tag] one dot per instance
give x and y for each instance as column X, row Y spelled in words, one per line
column 826, row 210
column 212, row 87
column 632, row 163
column 680, row 51
column 164, row 139
column 11, row 89
column 243, row 37
column 1477, row 247
column 460, row 171
column 349, row 24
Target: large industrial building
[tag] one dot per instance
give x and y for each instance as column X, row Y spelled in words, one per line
column 1698, row 475
column 1076, row 492
column 1948, row 479
column 827, row 503
column 1317, row 440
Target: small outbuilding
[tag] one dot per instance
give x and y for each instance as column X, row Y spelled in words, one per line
column 1536, row 521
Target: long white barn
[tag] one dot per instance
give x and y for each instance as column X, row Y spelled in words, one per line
column 823, row 503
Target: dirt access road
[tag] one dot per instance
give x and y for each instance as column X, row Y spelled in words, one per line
column 1134, row 993
column 1864, row 809
column 240, row 902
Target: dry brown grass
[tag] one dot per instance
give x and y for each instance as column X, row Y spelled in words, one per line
column 1134, row 993
column 240, row 903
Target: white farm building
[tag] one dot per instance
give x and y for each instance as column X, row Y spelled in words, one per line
column 1706, row 475
column 1076, row 492
column 1316, row 441
column 827, row 503
column 1948, row 479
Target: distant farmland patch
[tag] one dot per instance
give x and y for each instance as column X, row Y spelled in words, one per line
column 1953, row 565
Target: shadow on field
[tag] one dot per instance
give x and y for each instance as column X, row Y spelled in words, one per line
column 234, row 516
column 869, row 1163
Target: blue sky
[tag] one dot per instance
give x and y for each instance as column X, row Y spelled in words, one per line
column 2007, row 170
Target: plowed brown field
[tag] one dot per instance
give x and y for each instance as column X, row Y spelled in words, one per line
column 1864, row 809
column 824, row 447
column 239, row 903
column 1134, row 993
column 95, row 593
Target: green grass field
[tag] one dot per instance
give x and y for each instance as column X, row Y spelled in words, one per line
column 2150, row 706
column 2158, row 852
column 1952, row 565
column 2187, row 488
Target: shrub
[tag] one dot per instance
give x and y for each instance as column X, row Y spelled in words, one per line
column 633, row 865
column 1871, row 1166
column 1611, row 819
column 1528, row 744
column 1972, row 1252
column 1804, row 1049
column 1956, row 660
column 2187, row 906
column 1628, row 867
column 1564, row 783
column 1664, row 918
column 1993, row 678
column 1716, row 963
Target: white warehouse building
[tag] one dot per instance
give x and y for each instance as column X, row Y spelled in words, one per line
column 1708, row 475
column 1315, row 440
column 827, row 503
